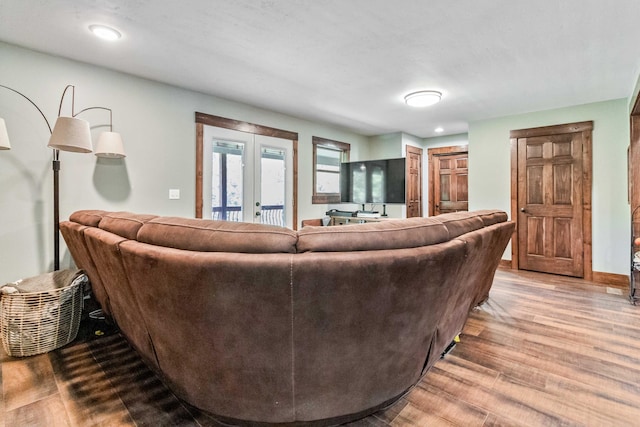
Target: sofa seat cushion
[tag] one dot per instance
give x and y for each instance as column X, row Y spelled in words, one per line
column 124, row 224
column 217, row 236
column 391, row 234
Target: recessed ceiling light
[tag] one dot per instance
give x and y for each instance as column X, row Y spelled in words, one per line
column 438, row 130
column 423, row 98
column 105, row 33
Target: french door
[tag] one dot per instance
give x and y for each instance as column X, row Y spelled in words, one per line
column 247, row 177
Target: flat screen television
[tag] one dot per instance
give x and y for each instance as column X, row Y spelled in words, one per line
column 373, row 181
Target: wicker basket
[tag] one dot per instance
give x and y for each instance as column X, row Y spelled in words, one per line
column 41, row 321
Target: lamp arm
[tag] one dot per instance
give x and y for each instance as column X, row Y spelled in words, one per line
column 99, row 108
column 56, row 169
column 73, row 99
column 32, row 103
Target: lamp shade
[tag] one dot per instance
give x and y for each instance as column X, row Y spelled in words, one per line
column 4, row 136
column 110, row 145
column 71, row 134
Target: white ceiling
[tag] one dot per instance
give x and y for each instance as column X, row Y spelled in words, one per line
column 350, row 62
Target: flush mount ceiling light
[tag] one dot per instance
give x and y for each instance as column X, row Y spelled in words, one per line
column 438, row 130
column 423, row 98
column 104, row 32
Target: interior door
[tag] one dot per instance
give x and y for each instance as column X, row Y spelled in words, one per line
column 414, row 181
column 451, row 184
column 550, row 215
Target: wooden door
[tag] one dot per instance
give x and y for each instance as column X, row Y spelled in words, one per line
column 550, row 204
column 414, row 181
column 451, row 185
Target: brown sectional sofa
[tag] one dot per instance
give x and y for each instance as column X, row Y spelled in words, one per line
column 262, row 324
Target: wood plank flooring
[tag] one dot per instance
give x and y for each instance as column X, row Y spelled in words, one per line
column 543, row 351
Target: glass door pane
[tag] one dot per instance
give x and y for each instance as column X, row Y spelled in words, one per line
column 227, row 181
column 272, row 186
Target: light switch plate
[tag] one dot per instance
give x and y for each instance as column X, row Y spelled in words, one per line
column 174, row 194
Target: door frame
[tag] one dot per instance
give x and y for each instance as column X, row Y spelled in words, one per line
column 225, row 123
column 586, row 128
column 432, row 154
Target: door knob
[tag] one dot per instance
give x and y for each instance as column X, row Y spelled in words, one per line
column 523, row 210
column 258, row 213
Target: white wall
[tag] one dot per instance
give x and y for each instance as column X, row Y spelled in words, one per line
column 446, row 141
column 388, row 146
column 157, row 124
column 489, row 172
column 408, row 139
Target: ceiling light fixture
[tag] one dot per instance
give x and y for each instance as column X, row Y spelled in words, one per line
column 423, row 98
column 104, row 32
column 438, row 130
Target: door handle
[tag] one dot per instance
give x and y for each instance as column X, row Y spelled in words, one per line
column 523, row 210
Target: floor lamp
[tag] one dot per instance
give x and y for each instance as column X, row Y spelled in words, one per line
column 69, row 134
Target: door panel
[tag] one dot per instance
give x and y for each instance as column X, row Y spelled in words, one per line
column 550, row 204
column 535, row 229
column 451, row 186
column 445, row 188
column 414, row 181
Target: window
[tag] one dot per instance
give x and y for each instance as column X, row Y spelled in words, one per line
column 327, row 156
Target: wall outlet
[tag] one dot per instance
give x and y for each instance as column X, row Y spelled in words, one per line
column 174, row 194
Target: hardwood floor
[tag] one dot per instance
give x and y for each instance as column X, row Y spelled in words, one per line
column 543, row 351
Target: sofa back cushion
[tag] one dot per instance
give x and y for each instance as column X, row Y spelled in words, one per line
column 459, row 223
column 217, row 236
column 90, row 218
column 124, row 224
column 391, row 234
column 490, row 217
